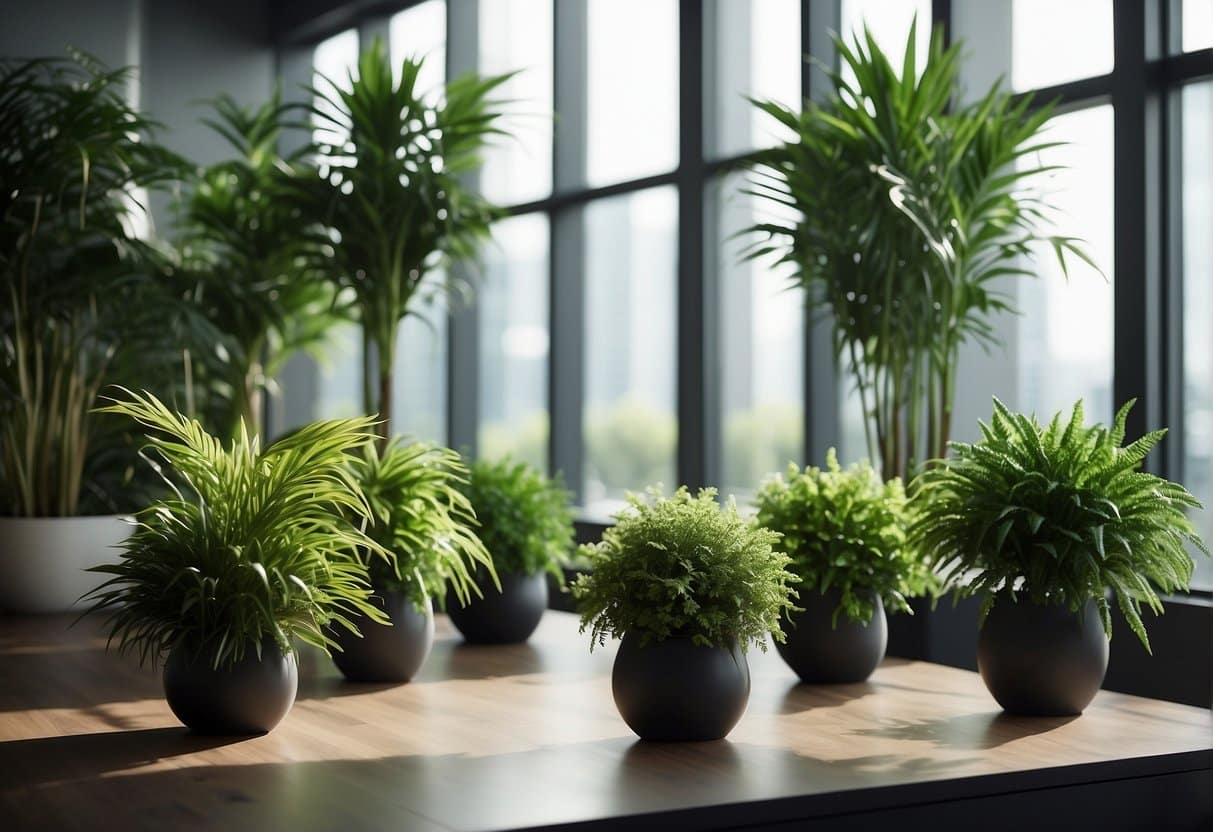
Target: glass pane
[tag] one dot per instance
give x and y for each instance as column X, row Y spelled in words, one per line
column 1065, row 331
column 332, row 62
column 419, row 400
column 1052, row 42
column 1197, row 25
column 1197, row 188
column 517, row 35
column 420, row 32
column 753, row 49
column 889, row 21
column 513, row 304
column 761, row 350
column 633, row 89
column 630, row 427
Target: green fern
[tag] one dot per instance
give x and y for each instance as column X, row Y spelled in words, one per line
column 1062, row 513
column 685, row 566
column 847, row 530
column 254, row 545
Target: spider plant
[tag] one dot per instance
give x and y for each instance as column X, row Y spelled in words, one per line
column 906, row 206
column 254, row 544
column 393, row 197
column 420, row 515
column 82, row 293
column 1059, row 513
column 252, row 261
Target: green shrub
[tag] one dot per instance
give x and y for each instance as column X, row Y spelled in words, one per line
column 525, row 520
column 1060, row 513
column 684, row 566
column 846, row 530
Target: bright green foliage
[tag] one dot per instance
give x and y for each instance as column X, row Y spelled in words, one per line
column 254, row 545
column 423, row 519
column 847, row 530
column 905, row 205
column 684, row 567
column 525, row 519
column 1060, row 513
column 392, row 192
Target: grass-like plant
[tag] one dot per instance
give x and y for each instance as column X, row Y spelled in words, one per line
column 423, row 519
column 525, row 520
column 845, row 529
column 684, row 566
column 1059, row 513
column 254, row 545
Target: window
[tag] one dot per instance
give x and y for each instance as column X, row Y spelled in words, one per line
column 1197, row 22
column 420, row 32
column 1045, row 50
column 889, row 22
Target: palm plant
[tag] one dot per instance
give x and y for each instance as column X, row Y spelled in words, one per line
column 1059, row 513
column 906, row 206
column 391, row 194
column 83, row 295
column 252, row 263
column 253, row 546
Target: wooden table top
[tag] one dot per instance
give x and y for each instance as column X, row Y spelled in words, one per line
column 528, row 736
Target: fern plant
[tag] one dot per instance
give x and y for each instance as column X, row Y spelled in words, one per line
column 254, row 546
column 1060, row 513
column 420, row 515
column 525, row 520
column 846, row 530
column 684, row 566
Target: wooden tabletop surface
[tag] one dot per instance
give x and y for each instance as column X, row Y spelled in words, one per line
column 527, row 736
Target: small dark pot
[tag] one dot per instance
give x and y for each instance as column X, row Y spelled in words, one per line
column 248, row 697
column 506, row 617
column 822, row 652
column 1042, row 660
column 677, row 691
column 386, row 653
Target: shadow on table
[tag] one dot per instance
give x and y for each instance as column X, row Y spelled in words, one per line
column 802, row 697
column 72, row 676
column 964, row 731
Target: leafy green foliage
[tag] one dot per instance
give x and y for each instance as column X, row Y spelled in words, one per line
column 525, row 520
column 253, row 546
column 847, row 530
column 391, row 193
column 423, row 519
column 684, row 566
column 904, row 205
column 1060, row 513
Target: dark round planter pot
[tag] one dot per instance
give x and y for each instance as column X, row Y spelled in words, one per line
column 676, row 691
column 506, row 617
column 386, row 653
column 1042, row 660
column 248, row 697
column 824, row 652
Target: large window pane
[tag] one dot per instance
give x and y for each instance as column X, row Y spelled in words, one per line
column 633, row 89
column 761, row 349
column 889, row 21
column 419, row 400
column 514, row 329
column 516, row 35
column 753, row 49
column 629, row 424
column 1052, row 42
column 1197, row 190
column 420, row 32
column 1197, row 25
column 1065, row 332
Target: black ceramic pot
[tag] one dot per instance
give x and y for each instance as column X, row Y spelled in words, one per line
column 677, row 691
column 1042, row 660
column 824, row 652
column 386, row 653
column 506, row 617
column 248, row 697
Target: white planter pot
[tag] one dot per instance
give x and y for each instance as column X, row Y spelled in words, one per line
column 43, row 559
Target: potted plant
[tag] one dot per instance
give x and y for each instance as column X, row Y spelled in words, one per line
column 83, row 305
column 420, row 516
column 393, row 198
column 251, row 551
column 845, row 532
column 687, row 585
column 903, row 204
column 1043, row 522
column 527, row 527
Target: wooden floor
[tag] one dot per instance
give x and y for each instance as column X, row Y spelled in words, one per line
column 527, row 736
